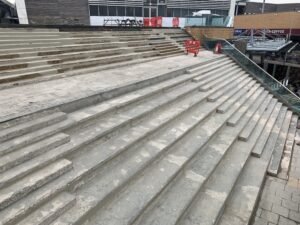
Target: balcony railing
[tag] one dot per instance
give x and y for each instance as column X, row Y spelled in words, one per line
column 275, row 87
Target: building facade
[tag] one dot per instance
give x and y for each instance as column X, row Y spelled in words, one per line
column 94, row 12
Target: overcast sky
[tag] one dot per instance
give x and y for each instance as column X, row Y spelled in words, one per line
column 267, row 1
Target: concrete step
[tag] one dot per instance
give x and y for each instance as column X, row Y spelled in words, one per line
column 31, row 125
column 207, row 207
column 16, row 46
column 226, row 105
column 62, row 39
column 69, row 47
column 94, row 134
column 17, row 157
column 33, row 72
column 28, row 74
column 28, row 30
column 246, row 132
column 50, row 211
column 94, row 162
column 241, row 205
column 167, row 209
column 103, row 60
column 239, row 114
column 128, row 99
column 12, row 66
column 275, row 124
column 163, row 171
column 219, row 93
column 34, row 136
column 207, row 69
column 100, row 53
column 275, row 161
column 233, row 74
column 170, row 52
column 157, row 143
column 59, row 49
column 26, row 185
column 288, row 149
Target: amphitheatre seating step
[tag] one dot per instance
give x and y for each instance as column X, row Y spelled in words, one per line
column 103, row 60
column 9, row 66
column 96, row 162
column 50, row 211
column 57, row 58
column 153, row 143
column 32, row 72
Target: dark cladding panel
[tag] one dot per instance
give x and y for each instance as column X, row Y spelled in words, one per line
column 58, row 12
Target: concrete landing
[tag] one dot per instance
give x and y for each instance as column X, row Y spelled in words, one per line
column 20, row 101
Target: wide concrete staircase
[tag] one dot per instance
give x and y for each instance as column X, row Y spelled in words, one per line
column 28, row 55
column 189, row 147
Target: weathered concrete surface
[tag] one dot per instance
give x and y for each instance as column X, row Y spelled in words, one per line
column 19, row 101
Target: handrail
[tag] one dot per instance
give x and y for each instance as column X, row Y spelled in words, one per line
column 274, row 86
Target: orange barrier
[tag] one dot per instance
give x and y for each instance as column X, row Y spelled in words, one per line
column 192, row 46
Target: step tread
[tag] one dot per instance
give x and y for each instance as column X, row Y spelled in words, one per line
column 275, row 161
column 17, row 157
column 273, row 124
column 29, row 138
column 25, row 127
column 50, row 211
column 252, row 86
column 24, row 186
column 246, row 132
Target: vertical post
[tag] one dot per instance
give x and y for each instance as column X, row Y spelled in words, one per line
column 263, row 6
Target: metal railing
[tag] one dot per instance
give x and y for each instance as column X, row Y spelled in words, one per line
column 275, row 87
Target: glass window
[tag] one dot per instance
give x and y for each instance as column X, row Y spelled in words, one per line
column 169, row 12
column 121, row 11
column 94, row 11
column 129, row 11
column 146, row 12
column 139, row 11
column 112, row 10
column 103, row 10
column 161, row 10
column 153, row 12
column 176, row 12
column 184, row 12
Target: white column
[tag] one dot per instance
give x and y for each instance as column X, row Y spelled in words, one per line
column 22, row 11
column 232, row 8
